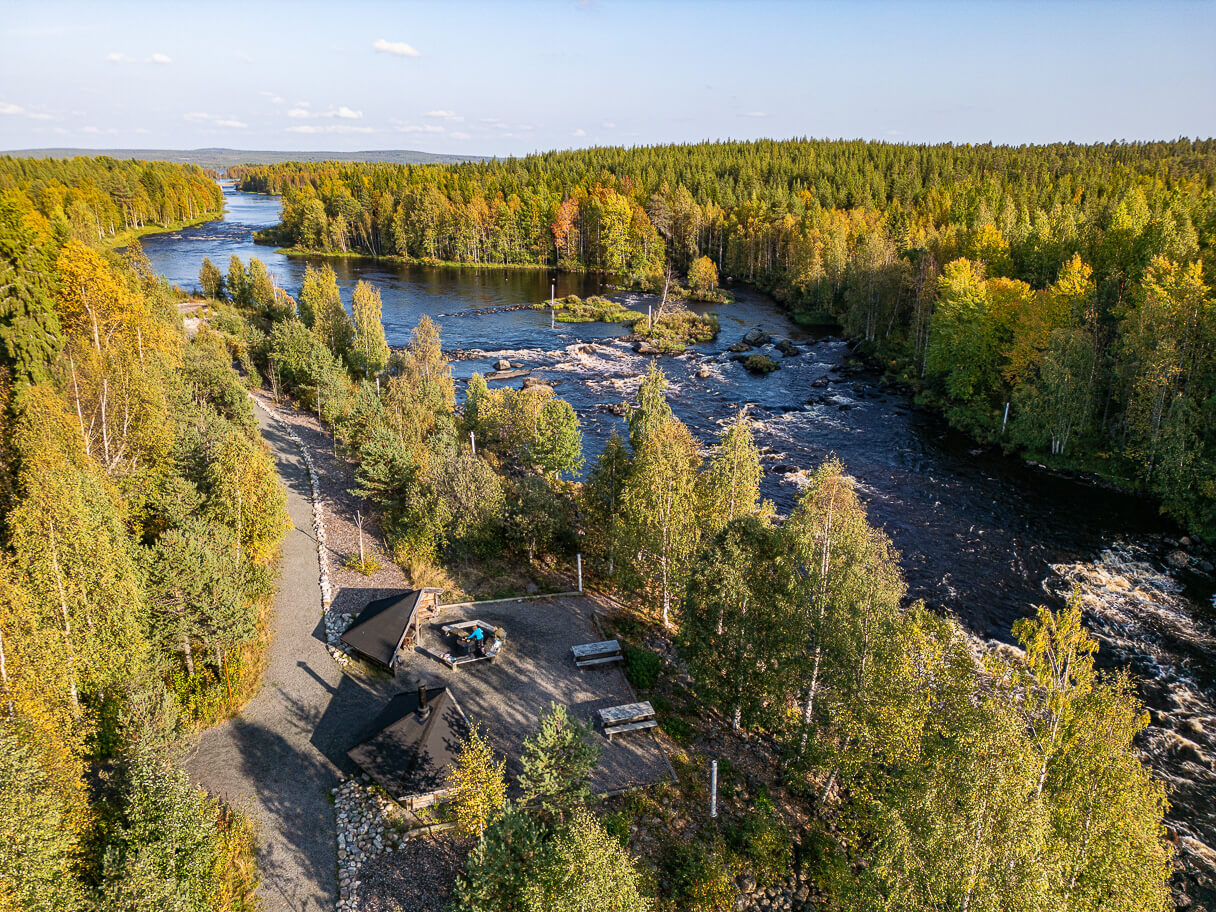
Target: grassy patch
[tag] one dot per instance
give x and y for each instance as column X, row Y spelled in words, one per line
column 672, row 332
column 595, row 309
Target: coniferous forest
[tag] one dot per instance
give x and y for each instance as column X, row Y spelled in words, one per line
column 1053, row 299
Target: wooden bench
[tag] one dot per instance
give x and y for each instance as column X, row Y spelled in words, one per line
column 629, row 717
column 597, row 653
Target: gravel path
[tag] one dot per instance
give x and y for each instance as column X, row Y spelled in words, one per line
column 279, row 758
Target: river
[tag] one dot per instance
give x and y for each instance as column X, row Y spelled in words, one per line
column 982, row 536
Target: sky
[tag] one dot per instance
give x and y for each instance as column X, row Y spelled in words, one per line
column 509, row 78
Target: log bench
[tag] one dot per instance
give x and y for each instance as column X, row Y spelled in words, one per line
column 597, row 653
column 616, row 720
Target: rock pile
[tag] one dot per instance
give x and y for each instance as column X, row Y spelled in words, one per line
column 335, row 624
column 365, row 830
column 793, row 894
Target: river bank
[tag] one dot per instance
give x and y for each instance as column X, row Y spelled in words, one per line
column 128, row 236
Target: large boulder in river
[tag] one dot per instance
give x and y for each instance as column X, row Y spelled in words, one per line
column 757, row 336
column 532, row 382
column 645, row 348
column 788, row 348
column 740, row 347
column 502, row 365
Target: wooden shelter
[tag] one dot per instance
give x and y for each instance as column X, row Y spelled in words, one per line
column 388, row 625
column 416, row 739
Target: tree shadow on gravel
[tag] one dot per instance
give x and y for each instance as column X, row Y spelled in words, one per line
column 297, row 837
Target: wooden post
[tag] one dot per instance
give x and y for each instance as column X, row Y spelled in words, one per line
column 713, row 788
column 579, row 561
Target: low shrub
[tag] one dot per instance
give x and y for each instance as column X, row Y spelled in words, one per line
column 700, row 880
column 365, row 565
column 762, row 842
column 642, row 667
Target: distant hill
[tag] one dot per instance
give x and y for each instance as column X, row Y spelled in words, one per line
column 224, row 158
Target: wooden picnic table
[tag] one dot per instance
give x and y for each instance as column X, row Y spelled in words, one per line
column 597, row 653
column 627, row 717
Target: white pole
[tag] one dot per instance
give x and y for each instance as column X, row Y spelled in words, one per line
column 579, row 559
column 1005, row 420
column 648, row 316
column 473, row 442
column 713, row 788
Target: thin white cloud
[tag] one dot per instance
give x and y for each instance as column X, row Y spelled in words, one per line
column 753, row 114
column 329, row 128
column 396, row 48
column 215, row 120
column 420, row 128
column 579, row 132
column 89, row 130
column 608, row 125
column 14, row 110
column 445, row 115
column 116, row 57
column 459, row 135
column 160, row 58
column 342, row 112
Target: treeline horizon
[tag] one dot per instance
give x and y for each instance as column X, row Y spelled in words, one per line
column 1053, row 300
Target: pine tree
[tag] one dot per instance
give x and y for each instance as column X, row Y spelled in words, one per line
column 558, row 760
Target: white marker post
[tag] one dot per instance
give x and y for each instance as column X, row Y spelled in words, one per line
column 473, row 443
column 579, row 561
column 713, row 788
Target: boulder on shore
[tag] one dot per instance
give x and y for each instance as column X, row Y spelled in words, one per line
column 502, row 364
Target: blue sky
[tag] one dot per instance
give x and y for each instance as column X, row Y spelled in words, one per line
column 512, row 78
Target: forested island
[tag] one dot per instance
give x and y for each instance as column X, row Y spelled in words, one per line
column 1050, row 299
column 873, row 755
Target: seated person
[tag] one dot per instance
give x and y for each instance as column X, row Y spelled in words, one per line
column 474, row 639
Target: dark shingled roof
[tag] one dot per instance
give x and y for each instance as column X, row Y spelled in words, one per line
column 409, row 755
column 380, row 627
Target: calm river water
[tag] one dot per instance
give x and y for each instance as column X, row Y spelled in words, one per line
column 982, row 536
